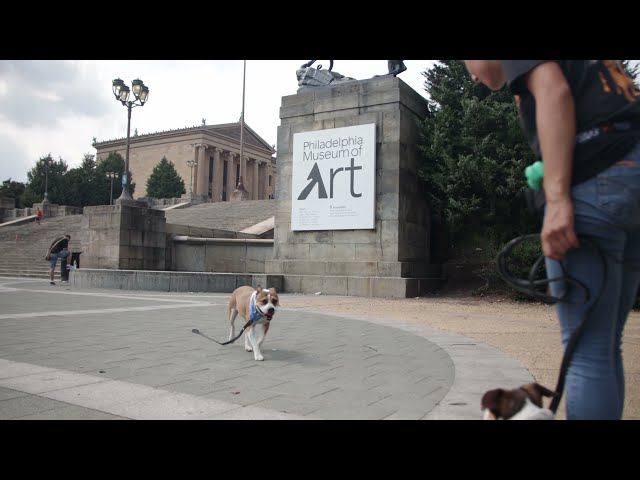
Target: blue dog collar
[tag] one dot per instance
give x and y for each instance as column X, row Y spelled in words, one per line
column 255, row 314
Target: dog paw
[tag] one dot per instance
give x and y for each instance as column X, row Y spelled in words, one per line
column 248, row 349
column 259, row 358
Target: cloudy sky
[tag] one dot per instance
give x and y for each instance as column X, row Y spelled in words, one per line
column 58, row 106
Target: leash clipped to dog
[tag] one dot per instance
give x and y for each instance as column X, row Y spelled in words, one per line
column 198, row 332
column 529, row 286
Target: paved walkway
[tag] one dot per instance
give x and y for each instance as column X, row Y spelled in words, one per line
column 110, row 354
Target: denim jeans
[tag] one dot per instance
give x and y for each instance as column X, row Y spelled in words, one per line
column 607, row 212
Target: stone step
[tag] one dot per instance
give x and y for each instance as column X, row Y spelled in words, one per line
column 56, row 275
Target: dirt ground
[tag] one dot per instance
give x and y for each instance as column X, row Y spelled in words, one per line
column 526, row 331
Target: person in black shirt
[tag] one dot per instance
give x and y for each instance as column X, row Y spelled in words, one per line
column 59, row 249
column 582, row 117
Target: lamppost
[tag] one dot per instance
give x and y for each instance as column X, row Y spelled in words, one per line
column 45, row 162
column 111, row 176
column 191, row 163
column 141, row 94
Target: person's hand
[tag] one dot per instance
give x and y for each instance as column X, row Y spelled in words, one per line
column 558, row 234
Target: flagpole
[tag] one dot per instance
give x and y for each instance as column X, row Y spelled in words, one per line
column 242, row 163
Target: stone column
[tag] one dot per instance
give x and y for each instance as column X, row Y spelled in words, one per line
column 216, row 187
column 255, row 190
column 231, row 174
column 195, row 169
column 264, row 180
column 203, row 171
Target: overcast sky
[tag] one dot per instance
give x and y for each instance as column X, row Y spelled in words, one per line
column 58, row 106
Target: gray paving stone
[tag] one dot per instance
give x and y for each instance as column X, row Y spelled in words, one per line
column 317, row 365
column 71, row 412
column 21, row 406
column 240, row 395
column 7, row 393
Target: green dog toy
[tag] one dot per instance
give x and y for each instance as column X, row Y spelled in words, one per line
column 534, row 174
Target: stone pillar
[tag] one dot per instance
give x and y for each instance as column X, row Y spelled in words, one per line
column 391, row 260
column 123, row 237
column 242, row 193
column 255, row 190
column 203, row 171
column 264, row 179
column 216, row 187
column 196, row 169
column 231, row 174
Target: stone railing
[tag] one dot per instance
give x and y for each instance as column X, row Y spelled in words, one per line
column 192, row 198
column 48, row 210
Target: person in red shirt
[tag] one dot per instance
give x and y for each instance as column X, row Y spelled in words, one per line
column 38, row 216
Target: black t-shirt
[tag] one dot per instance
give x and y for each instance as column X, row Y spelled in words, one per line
column 603, row 94
column 60, row 245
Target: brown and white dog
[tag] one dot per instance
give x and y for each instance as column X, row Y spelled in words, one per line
column 259, row 306
column 524, row 403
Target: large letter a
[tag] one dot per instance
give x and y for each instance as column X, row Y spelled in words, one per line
column 315, row 177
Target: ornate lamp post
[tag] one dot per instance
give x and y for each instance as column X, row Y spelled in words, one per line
column 45, row 162
column 141, row 94
column 111, row 176
column 191, row 163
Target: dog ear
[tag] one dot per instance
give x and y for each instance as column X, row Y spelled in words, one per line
column 259, row 289
column 491, row 399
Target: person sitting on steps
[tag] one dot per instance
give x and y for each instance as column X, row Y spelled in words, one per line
column 59, row 249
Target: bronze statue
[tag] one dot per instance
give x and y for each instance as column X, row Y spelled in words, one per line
column 311, row 62
column 395, row 66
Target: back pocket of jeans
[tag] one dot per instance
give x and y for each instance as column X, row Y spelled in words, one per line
column 615, row 198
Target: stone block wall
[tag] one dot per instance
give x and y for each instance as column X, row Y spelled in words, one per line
column 123, row 237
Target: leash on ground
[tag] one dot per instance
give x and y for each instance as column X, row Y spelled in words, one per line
column 198, row 332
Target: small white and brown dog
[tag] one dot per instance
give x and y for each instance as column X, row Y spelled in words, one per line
column 524, row 403
column 259, row 306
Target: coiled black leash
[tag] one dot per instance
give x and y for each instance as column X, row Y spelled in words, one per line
column 195, row 330
column 531, row 286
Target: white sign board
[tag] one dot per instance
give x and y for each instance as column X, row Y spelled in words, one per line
column 334, row 179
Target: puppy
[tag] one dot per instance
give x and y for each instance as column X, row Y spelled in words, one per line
column 259, row 306
column 524, row 403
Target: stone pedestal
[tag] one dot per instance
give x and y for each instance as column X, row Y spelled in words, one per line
column 123, row 237
column 391, row 260
column 240, row 193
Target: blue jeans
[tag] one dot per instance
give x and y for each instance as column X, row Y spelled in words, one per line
column 607, row 212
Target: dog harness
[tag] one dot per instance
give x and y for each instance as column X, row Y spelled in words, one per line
column 255, row 313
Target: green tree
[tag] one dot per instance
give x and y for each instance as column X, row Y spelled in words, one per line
column 34, row 190
column 13, row 189
column 113, row 163
column 473, row 156
column 83, row 187
column 164, row 181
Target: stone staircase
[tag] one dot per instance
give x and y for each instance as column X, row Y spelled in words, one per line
column 234, row 216
column 23, row 247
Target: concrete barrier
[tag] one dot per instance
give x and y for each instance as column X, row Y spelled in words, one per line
column 170, row 281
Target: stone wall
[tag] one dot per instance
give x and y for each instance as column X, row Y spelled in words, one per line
column 123, row 237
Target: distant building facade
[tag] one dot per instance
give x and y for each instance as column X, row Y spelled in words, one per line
column 215, row 148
